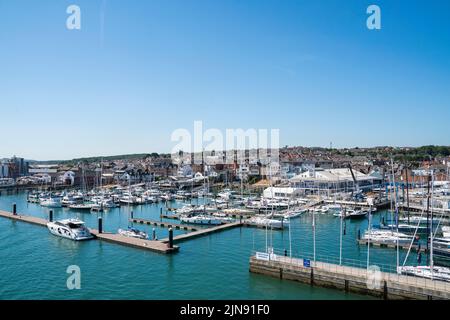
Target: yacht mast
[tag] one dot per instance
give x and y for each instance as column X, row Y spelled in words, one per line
column 368, row 238
column 431, row 223
column 340, row 238
column 396, row 211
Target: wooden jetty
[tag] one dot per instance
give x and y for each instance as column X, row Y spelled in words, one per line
column 164, row 224
column 152, row 245
column 28, row 219
column 203, row 232
column 370, row 281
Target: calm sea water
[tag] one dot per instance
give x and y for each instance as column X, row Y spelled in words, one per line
column 34, row 262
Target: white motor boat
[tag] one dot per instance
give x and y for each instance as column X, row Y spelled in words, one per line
column 223, row 217
column 334, row 207
column 387, row 236
column 82, row 206
column 294, row 214
column 166, row 197
column 266, row 222
column 201, row 219
column 51, row 202
column 351, row 214
column 33, row 198
column 133, row 233
column 129, row 200
column 435, row 273
column 73, row 229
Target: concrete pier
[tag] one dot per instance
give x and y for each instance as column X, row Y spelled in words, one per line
column 383, row 285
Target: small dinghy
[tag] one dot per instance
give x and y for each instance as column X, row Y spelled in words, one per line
column 133, row 233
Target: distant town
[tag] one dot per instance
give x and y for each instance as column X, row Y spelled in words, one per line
column 306, row 168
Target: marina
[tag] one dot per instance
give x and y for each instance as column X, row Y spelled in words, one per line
column 298, row 227
column 336, row 235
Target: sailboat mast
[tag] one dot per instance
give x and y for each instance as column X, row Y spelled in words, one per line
column 431, row 223
column 289, row 221
column 396, row 211
column 368, row 238
column 340, row 237
column 407, row 191
column 314, row 235
column 428, row 218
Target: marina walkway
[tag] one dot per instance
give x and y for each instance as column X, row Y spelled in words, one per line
column 164, row 224
column 203, row 232
column 28, row 219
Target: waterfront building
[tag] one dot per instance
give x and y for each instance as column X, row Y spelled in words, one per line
column 4, row 169
column 280, row 192
column 13, row 168
column 337, row 180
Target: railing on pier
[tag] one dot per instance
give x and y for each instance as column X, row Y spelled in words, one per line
column 357, row 268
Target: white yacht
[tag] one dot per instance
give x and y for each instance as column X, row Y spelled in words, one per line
column 82, row 206
column 51, row 202
column 223, row 217
column 133, row 233
column 293, row 214
column 166, row 197
column 68, row 200
column 435, row 273
column 387, row 236
column 266, row 222
column 73, row 229
column 201, row 219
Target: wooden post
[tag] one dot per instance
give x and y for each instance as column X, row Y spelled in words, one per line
column 160, row 214
column 14, row 209
column 132, row 215
column 385, row 291
column 170, row 238
column 100, row 225
column 50, row 216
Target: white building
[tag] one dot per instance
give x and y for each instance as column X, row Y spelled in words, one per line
column 338, row 180
column 280, row 192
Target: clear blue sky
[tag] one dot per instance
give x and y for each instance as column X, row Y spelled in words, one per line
column 138, row 70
